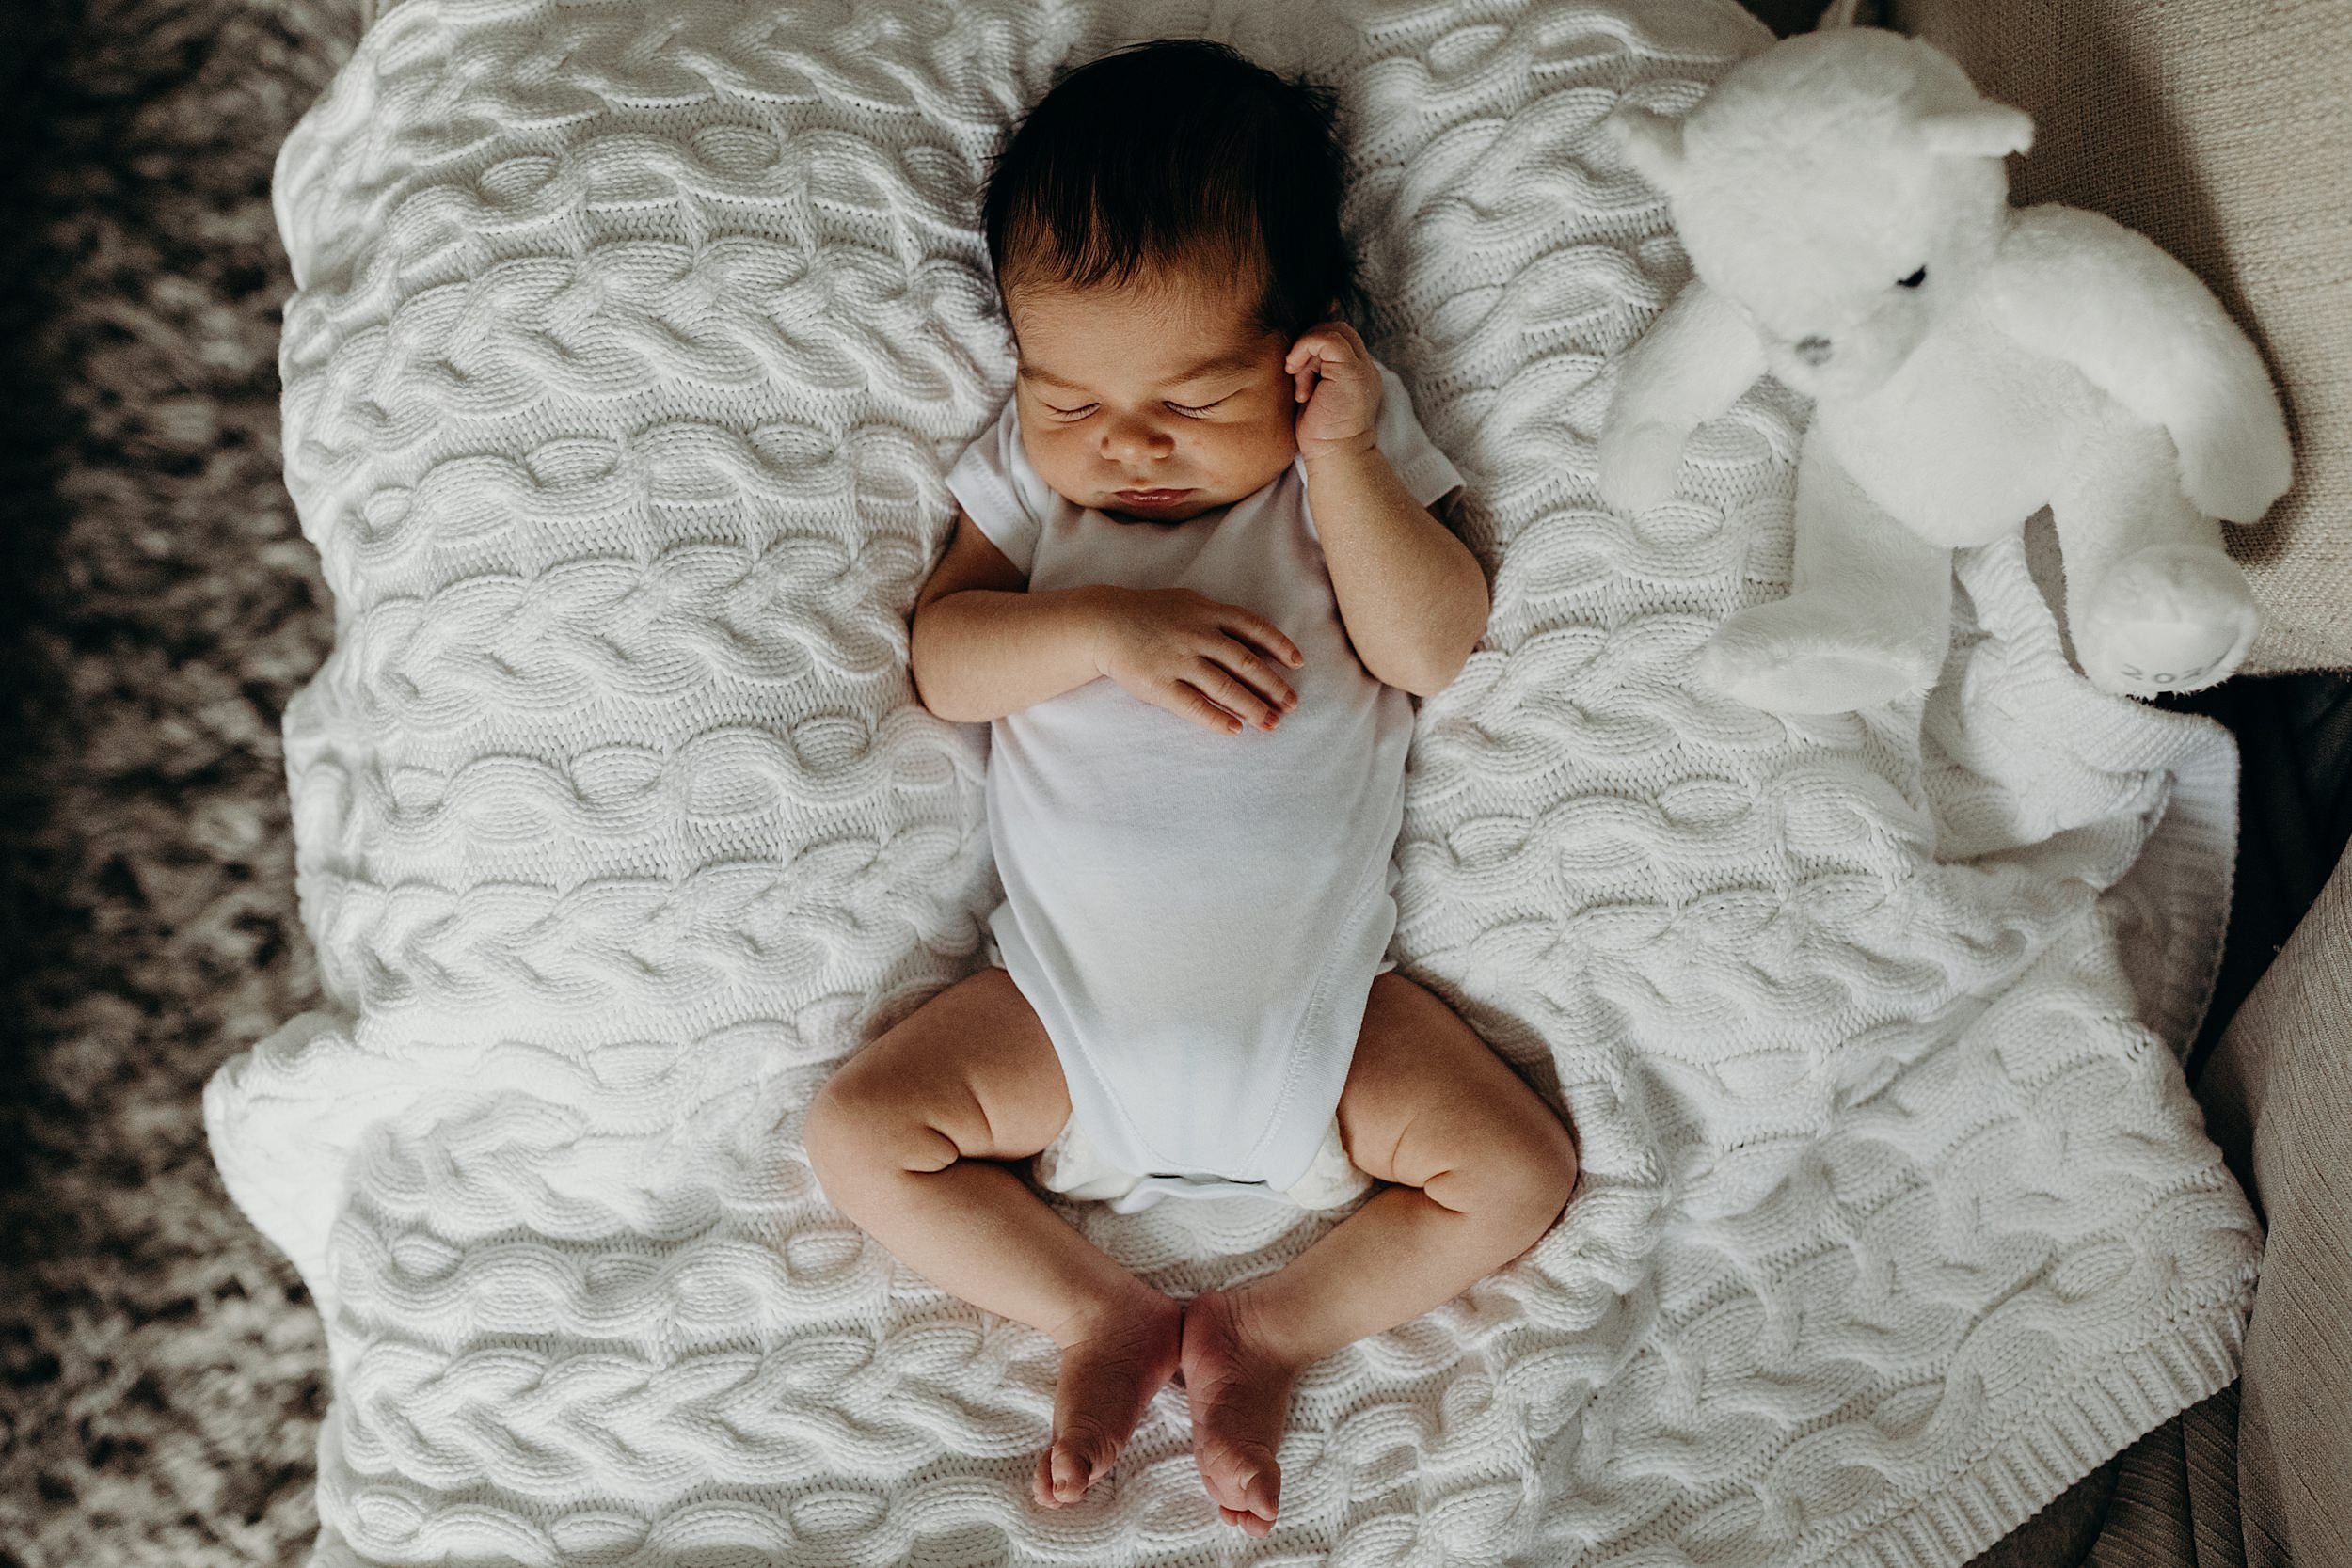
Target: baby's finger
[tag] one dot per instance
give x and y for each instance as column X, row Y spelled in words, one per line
column 1265, row 633
column 1188, row 702
column 1334, row 340
column 1230, row 692
column 1242, row 661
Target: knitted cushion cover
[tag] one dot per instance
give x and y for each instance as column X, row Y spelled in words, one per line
column 631, row 345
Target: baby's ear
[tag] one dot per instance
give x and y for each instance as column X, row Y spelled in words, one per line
column 1651, row 143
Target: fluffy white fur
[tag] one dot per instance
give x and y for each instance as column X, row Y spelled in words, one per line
column 2048, row 356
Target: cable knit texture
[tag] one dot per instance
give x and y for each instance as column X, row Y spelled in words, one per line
column 631, row 344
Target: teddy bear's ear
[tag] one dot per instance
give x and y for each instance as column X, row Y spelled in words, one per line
column 1652, row 143
column 1984, row 130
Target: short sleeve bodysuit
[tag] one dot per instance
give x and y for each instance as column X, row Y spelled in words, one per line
column 1197, row 916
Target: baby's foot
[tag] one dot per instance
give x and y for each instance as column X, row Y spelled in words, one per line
column 1240, row 1391
column 1111, row 1366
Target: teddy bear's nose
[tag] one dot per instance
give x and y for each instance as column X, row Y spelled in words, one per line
column 1813, row 351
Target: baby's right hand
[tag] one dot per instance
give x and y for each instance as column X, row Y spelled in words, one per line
column 1192, row 655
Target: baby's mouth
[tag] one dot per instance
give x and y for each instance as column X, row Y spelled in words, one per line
column 1150, row 497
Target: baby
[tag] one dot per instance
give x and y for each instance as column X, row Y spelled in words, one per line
column 1192, row 580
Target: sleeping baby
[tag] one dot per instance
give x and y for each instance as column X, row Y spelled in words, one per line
column 1193, row 579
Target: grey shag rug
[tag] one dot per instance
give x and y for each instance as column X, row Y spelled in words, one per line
column 162, row 1372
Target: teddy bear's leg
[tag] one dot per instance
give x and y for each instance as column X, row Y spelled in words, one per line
column 2153, row 601
column 1867, row 617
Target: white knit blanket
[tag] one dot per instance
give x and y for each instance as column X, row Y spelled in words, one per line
column 631, row 342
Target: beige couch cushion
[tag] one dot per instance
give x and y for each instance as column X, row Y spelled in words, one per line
column 2279, row 1089
column 2223, row 130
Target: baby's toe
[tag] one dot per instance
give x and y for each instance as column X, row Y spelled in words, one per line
column 1077, row 1456
column 1243, row 1520
column 1245, row 1480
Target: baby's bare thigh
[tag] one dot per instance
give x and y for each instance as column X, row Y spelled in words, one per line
column 1424, row 1094
column 973, row 1063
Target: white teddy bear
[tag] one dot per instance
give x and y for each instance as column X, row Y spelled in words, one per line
column 1843, row 201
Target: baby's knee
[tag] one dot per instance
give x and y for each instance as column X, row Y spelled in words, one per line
column 1534, row 1173
column 857, row 1125
column 832, row 1133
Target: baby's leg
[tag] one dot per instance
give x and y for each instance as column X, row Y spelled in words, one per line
column 903, row 1138
column 1483, row 1166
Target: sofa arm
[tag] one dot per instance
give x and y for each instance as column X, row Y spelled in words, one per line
column 2278, row 1096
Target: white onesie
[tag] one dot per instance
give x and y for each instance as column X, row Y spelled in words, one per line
column 1197, row 916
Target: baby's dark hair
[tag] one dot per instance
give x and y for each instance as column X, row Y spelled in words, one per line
column 1177, row 153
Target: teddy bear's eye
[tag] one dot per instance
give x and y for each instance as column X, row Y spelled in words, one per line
column 1914, row 280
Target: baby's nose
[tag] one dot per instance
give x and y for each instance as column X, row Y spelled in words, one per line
column 1814, row 350
column 1130, row 439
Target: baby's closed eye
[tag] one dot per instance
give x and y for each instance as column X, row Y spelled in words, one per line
column 1192, row 409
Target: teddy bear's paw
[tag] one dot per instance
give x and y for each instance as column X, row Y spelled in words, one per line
column 2238, row 478
column 1638, row 464
column 1803, row 656
column 2169, row 618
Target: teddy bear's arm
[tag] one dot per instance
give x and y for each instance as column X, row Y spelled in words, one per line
column 2082, row 288
column 1691, row 365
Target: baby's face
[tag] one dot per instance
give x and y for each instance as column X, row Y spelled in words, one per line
column 1155, row 401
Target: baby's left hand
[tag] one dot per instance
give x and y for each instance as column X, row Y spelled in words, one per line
column 1330, row 362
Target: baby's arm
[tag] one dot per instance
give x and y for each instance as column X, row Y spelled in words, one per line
column 1411, row 595
column 982, row 646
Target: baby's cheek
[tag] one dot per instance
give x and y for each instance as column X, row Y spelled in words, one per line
column 1059, row 463
column 1276, row 442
